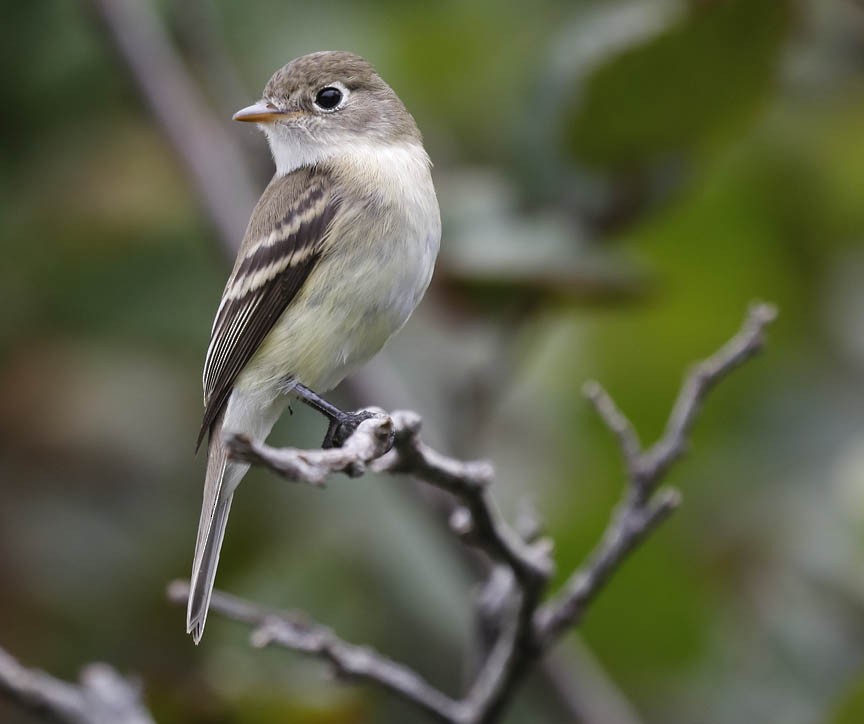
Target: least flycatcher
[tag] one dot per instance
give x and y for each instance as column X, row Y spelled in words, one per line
column 338, row 253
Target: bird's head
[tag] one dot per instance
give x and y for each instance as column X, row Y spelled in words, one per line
column 324, row 104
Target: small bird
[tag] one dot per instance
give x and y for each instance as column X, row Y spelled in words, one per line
column 337, row 254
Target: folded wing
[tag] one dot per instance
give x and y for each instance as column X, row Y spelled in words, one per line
column 280, row 249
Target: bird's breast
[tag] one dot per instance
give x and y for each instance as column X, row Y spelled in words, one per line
column 373, row 272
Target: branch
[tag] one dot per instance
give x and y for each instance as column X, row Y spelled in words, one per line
column 701, row 380
column 372, row 439
column 349, row 661
column 641, row 510
column 391, row 444
column 521, row 627
column 479, row 522
column 102, row 697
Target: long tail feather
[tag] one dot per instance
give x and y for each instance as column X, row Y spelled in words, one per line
column 222, row 478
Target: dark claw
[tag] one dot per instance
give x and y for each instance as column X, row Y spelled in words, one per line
column 342, row 427
column 342, row 424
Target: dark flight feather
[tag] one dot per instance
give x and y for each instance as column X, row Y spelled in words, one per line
column 279, row 251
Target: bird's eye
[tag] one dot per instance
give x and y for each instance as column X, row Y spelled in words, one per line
column 328, row 98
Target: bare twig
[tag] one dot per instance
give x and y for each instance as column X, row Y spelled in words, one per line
column 101, row 697
column 523, row 627
column 485, row 528
column 372, row 439
column 629, row 527
column 370, row 447
column 701, row 380
column 641, row 510
column 300, row 633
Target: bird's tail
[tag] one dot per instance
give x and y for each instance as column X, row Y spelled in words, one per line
column 222, row 479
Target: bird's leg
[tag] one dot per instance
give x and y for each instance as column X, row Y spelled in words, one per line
column 342, row 424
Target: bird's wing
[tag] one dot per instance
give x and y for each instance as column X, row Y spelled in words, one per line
column 284, row 241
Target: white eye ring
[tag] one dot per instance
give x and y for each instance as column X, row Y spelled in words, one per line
column 336, row 85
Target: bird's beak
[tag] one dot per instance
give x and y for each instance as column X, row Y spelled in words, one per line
column 261, row 113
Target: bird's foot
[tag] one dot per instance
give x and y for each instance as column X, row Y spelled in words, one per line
column 343, row 426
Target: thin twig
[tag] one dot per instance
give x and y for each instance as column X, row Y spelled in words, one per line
column 701, row 380
column 300, row 633
column 101, row 697
column 642, row 510
column 615, row 420
column 468, row 481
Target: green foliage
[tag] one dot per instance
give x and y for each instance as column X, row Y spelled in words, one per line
column 698, row 81
column 851, row 708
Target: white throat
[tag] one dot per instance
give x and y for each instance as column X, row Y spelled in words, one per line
column 294, row 150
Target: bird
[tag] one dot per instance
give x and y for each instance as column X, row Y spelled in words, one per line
column 338, row 253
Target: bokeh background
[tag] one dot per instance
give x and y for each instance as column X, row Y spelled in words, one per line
column 618, row 179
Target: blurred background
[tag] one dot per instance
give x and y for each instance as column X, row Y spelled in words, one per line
column 618, row 180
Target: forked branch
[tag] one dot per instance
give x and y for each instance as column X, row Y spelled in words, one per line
column 643, row 507
column 523, row 566
column 101, row 697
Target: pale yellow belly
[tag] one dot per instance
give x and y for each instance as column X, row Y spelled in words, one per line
column 350, row 306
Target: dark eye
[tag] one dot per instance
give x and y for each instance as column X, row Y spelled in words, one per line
column 328, row 98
